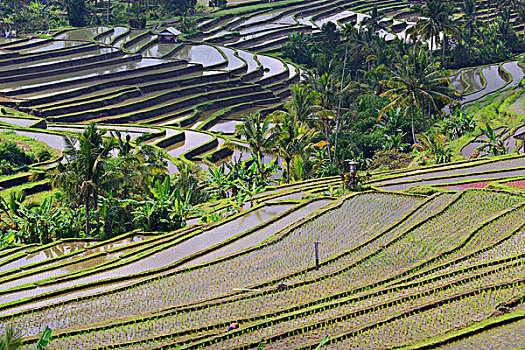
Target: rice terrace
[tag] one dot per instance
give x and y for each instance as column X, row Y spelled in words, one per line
column 262, row 174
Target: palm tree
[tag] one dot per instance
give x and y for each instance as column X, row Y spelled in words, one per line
column 256, row 132
column 436, row 20
column 85, row 172
column 415, row 81
column 11, row 340
column 470, row 20
column 295, row 140
column 187, row 180
column 375, row 21
column 304, row 103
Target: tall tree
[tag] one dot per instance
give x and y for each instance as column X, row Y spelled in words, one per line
column 85, row 172
column 471, row 22
column 414, row 81
column 256, row 132
column 76, row 12
column 435, row 21
column 295, row 140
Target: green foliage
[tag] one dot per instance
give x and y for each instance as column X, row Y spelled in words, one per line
column 11, row 154
column 178, row 7
column 260, row 139
column 44, row 223
column 459, row 123
column 299, row 48
column 434, row 146
column 43, row 341
column 492, row 144
column 390, row 159
column 11, row 339
column 164, row 209
column 35, row 15
column 218, row 3
column 77, row 12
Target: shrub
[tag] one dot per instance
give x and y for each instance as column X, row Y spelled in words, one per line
column 11, row 154
column 391, row 159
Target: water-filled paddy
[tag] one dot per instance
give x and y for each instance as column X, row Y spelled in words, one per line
column 18, row 121
column 108, row 39
column 250, row 60
column 83, row 34
column 52, row 140
column 193, row 139
column 110, row 69
column 272, row 66
column 201, row 54
column 234, row 62
column 517, row 73
column 54, row 45
column 159, row 50
column 494, row 81
column 78, row 57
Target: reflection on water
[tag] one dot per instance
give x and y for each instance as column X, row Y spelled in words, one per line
column 272, row 66
column 18, row 121
column 493, row 78
column 117, row 31
column 65, row 248
column 250, row 60
column 233, row 61
column 82, row 34
column 193, row 139
column 55, row 45
column 110, row 69
column 203, row 54
column 262, row 234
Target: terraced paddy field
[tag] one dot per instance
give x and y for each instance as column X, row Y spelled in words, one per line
column 429, row 257
column 395, row 270
column 203, row 84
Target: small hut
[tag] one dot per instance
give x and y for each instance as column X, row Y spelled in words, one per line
column 168, row 35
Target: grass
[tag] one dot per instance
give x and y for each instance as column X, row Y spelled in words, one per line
column 28, row 144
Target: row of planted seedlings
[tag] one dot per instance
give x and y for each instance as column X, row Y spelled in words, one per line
column 456, row 170
column 240, row 308
column 446, row 174
column 487, row 176
column 367, row 301
column 154, row 273
column 504, row 223
column 117, row 266
column 31, row 270
column 207, row 267
column 400, row 173
column 499, row 332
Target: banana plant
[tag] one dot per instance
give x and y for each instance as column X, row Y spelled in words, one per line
column 493, row 143
column 43, row 341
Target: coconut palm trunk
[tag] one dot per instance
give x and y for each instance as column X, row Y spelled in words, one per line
column 413, row 126
column 338, row 120
column 108, row 10
column 86, row 203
